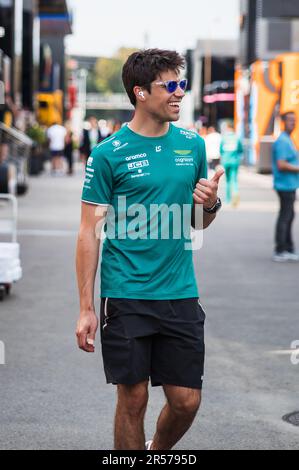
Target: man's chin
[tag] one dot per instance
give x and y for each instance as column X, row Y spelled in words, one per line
column 169, row 117
column 174, row 118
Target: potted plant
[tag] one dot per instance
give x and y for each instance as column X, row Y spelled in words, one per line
column 38, row 152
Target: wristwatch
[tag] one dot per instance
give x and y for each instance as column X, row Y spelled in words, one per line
column 214, row 208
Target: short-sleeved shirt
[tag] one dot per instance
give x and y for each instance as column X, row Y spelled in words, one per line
column 56, row 135
column 284, row 149
column 213, row 141
column 140, row 178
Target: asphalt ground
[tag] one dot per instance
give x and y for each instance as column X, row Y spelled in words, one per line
column 54, row 396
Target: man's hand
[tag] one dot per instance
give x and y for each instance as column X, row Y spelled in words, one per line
column 86, row 330
column 206, row 190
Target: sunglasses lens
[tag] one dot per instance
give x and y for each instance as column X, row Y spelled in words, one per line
column 183, row 84
column 172, row 86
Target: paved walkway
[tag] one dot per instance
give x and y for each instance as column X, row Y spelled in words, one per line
column 54, row 396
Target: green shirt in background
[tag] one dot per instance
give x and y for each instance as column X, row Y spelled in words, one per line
column 147, row 171
column 231, row 149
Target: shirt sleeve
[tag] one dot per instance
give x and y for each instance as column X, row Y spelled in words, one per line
column 98, row 183
column 282, row 150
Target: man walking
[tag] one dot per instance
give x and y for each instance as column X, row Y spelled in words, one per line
column 152, row 324
column 90, row 138
column 56, row 137
column 231, row 151
column 285, row 164
column 213, row 141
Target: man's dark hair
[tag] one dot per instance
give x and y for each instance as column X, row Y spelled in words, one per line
column 143, row 67
column 285, row 115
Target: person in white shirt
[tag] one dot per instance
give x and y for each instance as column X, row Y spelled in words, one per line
column 56, row 135
column 213, row 140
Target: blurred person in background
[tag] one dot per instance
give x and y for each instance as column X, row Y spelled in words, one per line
column 231, row 151
column 10, row 111
column 213, row 140
column 8, row 181
column 90, row 138
column 116, row 126
column 69, row 147
column 106, row 128
column 56, row 139
column 203, row 132
column 285, row 164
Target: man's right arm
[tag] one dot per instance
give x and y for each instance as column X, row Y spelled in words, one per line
column 282, row 150
column 88, row 244
column 283, row 165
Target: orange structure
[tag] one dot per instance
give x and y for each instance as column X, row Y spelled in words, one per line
column 273, row 90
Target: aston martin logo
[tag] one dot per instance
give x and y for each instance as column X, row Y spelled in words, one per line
column 182, row 152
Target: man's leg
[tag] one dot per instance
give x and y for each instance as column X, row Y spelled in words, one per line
column 60, row 162
column 291, row 215
column 56, row 163
column 282, row 224
column 129, row 417
column 235, row 184
column 176, row 417
column 228, row 183
column 53, row 162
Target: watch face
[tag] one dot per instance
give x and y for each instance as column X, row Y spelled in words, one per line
column 215, row 208
column 218, row 204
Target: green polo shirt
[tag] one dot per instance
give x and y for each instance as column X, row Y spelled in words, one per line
column 147, row 184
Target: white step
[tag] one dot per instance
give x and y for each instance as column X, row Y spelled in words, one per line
column 11, row 275
column 9, row 263
column 9, row 250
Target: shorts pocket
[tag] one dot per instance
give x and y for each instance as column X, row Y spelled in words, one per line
column 106, row 316
column 201, row 311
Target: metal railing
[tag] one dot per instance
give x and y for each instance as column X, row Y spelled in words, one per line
column 15, row 149
column 111, row 101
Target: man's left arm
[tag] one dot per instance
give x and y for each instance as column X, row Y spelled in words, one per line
column 205, row 193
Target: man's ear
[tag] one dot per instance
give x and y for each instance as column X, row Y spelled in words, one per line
column 139, row 93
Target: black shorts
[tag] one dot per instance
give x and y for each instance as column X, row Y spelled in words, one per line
column 160, row 339
column 57, row 153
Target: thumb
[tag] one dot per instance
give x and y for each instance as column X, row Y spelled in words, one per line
column 92, row 334
column 216, row 177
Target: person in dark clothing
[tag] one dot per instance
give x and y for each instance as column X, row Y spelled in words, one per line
column 69, row 147
column 285, row 163
column 91, row 137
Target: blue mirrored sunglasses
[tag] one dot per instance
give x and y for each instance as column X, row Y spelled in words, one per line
column 171, row 85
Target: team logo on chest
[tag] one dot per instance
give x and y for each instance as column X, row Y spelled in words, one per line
column 182, row 152
column 184, row 158
column 136, row 166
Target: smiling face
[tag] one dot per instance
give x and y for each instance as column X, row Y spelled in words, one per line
column 161, row 105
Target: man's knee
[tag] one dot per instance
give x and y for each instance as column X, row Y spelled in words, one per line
column 132, row 399
column 186, row 404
